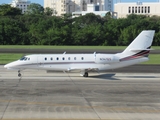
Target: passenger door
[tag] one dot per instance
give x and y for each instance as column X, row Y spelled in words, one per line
column 40, row 61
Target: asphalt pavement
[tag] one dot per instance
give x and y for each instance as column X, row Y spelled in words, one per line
column 68, row 96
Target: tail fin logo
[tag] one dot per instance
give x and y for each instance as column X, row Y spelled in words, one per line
column 143, row 53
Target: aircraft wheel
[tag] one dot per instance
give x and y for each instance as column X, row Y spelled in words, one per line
column 85, row 74
column 19, row 75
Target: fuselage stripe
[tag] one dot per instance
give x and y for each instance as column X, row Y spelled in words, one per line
column 143, row 53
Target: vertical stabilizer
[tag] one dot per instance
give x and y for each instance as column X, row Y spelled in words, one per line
column 141, row 44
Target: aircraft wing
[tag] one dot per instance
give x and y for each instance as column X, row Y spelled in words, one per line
column 83, row 69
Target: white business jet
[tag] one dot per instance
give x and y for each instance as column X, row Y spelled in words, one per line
column 136, row 52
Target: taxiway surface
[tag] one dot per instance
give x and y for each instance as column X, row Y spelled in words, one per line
column 41, row 95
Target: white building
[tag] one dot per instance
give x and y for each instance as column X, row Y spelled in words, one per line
column 140, row 8
column 98, row 8
column 93, row 8
column 104, row 5
column 59, row 6
column 68, row 6
column 81, row 13
column 21, row 4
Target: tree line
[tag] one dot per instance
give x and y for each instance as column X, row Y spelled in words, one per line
column 38, row 27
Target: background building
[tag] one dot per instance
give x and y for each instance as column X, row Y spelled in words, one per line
column 140, row 8
column 68, row 6
column 59, row 6
column 108, row 5
column 21, row 4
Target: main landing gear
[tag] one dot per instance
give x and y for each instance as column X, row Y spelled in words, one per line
column 85, row 74
column 19, row 73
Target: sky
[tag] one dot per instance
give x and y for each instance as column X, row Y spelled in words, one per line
column 32, row 1
column 42, row 1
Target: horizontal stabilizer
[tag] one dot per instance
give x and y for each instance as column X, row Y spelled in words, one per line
column 137, row 50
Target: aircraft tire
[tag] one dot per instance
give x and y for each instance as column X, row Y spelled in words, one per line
column 85, row 74
column 19, row 75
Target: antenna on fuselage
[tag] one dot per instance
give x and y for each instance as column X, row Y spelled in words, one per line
column 64, row 52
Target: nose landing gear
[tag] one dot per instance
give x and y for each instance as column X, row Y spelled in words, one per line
column 19, row 73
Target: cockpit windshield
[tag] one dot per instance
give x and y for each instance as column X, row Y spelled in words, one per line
column 24, row 59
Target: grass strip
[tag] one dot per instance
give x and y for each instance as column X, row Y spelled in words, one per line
column 153, row 59
column 6, row 58
column 66, row 47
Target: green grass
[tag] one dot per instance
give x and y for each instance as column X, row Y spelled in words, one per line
column 64, row 47
column 6, row 58
column 153, row 59
column 59, row 47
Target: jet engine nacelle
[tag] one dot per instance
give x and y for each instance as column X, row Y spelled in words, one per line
column 105, row 59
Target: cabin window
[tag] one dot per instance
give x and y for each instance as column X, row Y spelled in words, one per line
column 51, row 58
column 63, row 58
column 22, row 58
column 74, row 58
column 57, row 58
column 82, row 58
column 69, row 58
column 45, row 58
column 25, row 58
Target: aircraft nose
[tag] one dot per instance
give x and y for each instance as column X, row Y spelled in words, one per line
column 6, row 66
column 9, row 66
column 12, row 65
